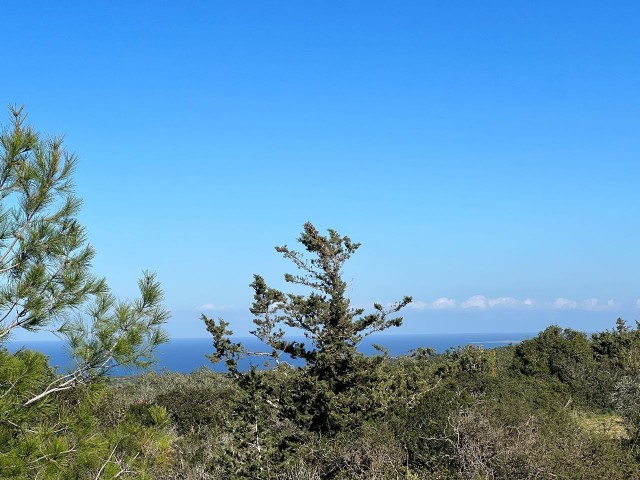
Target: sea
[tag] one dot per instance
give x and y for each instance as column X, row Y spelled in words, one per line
column 184, row 355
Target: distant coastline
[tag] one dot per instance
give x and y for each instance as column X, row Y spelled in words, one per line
column 185, row 355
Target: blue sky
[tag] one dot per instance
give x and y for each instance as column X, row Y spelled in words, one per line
column 485, row 154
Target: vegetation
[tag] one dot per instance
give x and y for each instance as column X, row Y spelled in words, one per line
column 336, row 377
column 49, row 426
column 469, row 413
column 562, row 405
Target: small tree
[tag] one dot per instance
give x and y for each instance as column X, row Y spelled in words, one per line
column 45, row 277
column 332, row 328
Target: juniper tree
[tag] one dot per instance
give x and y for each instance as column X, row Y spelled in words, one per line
column 45, row 260
column 332, row 328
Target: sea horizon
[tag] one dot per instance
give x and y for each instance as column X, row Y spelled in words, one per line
column 187, row 354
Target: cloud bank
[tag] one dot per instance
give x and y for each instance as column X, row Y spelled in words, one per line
column 212, row 307
column 482, row 302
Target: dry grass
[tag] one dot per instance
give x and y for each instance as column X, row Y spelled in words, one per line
column 607, row 424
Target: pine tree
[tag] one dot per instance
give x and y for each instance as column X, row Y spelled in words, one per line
column 45, row 259
column 47, row 429
column 44, row 255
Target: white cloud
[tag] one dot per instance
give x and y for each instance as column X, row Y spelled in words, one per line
column 504, row 302
column 476, row 301
column 590, row 304
column 418, row 305
column 482, row 302
column 443, row 303
column 594, row 304
column 564, row 303
column 211, row 307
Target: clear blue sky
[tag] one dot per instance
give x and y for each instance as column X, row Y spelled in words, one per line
column 485, row 154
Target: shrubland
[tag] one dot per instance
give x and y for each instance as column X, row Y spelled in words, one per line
column 469, row 413
column 562, row 405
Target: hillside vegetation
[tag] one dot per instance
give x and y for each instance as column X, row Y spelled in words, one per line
column 561, row 405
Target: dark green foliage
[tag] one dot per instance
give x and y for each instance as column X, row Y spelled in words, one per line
column 467, row 414
column 193, row 406
column 335, row 374
column 620, row 348
column 564, row 354
column 587, row 367
column 225, row 350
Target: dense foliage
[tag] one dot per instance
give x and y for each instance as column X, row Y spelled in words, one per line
column 517, row 412
column 335, row 378
column 508, row 413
